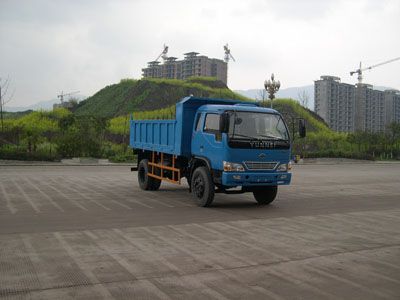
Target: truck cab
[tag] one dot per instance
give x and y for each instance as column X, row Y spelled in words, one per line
column 245, row 146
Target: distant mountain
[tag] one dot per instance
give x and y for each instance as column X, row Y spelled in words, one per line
column 43, row 105
column 292, row 92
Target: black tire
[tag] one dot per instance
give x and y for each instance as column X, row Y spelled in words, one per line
column 265, row 195
column 146, row 182
column 202, row 187
column 155, row 183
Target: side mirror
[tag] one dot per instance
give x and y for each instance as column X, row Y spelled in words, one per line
column 224, row 123
column 302, row 128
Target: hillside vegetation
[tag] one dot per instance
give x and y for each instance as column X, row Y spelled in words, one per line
column 290, row 109
column 131, row 95
column 99, row 127
column 15, row 115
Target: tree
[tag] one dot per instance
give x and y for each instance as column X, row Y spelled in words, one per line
column 34, row 125
column 304, row 98
column 261, row 95
column 73, row 104
column 393, row 130
column 4, row 97
column 81, row 136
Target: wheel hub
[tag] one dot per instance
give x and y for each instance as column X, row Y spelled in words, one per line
column 198, row 187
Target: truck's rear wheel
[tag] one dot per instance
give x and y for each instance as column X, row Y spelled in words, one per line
column 146, row 182
column 202, row 187
column 155, row 183
column 265, row 195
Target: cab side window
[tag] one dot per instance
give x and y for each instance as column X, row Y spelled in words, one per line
column 211, row 125
column 198, row 122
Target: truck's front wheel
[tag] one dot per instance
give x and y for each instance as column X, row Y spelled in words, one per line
column 146, row 182
column 266, row 194
column 202, row 186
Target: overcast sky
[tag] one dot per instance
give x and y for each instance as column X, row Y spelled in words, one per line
column 47, row 46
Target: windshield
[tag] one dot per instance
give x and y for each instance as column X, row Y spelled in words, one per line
column 254, row 125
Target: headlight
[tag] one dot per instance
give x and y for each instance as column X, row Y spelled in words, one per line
column 233, row 167
column 283, row 168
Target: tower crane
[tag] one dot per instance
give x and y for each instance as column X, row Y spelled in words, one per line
column 163, row 54
column 228, row 55
column 360, row 69
column 62, row 95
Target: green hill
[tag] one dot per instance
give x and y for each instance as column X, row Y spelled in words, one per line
column 290, row 109
column 149, row 94
column 99, row 127
column 156, row 98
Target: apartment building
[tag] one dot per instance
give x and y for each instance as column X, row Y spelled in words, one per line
column 335, row 103
column 192, row 65
column 349, row 108
column 370, row 112
column 392, row 106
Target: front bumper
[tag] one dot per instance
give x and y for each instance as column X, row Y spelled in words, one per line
column 232, row 179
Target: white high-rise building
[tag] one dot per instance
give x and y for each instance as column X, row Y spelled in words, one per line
column 348, row 108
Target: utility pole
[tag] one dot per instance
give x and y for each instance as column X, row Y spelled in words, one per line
column 272, row 86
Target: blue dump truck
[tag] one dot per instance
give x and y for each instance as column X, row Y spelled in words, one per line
column 219, row 146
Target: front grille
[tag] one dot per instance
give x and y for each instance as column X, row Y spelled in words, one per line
column 256, row 165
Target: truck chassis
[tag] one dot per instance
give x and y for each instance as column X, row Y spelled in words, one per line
column 159, row 170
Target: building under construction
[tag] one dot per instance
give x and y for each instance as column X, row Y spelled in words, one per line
column 191, row 66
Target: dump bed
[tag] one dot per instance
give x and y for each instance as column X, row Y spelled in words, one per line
column 154, row 135
column 171, row 136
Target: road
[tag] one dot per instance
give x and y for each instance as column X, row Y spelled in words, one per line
column 89, row 232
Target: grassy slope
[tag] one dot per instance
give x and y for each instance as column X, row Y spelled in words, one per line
column 290, row 109
column 156, row 98
column 149, row 94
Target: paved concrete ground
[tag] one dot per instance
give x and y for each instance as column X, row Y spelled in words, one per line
column 91, row 233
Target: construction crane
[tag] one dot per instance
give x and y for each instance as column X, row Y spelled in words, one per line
column 163, row 54
column 228, row 55
column 360, row 69
column 62, row 95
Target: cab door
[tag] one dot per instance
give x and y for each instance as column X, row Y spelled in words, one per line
column 197, row 140
column 207, row 139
